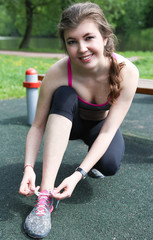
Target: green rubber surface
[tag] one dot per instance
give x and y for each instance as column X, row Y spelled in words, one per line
column 114, row 208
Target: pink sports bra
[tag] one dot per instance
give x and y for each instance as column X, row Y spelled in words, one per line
column 82, row 103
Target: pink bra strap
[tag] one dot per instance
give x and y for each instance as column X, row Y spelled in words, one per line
column 69, row 73
column 114, row 55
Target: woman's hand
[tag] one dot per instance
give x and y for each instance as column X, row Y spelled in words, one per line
column 27, row 186
column 65, row 189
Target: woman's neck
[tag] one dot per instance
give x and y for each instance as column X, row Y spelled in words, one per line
column 100, row 71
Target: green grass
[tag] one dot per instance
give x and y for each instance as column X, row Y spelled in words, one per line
column 13, row 68
column 12, row 73
column 144, row 64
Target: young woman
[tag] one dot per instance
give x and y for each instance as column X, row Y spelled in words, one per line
column 83, row 96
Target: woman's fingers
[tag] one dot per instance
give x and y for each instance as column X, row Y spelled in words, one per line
column 64, row 190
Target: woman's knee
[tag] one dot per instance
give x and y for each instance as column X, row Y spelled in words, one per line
column 63, row 94
column 110, row 163
column 110, row 168
column 64, row 102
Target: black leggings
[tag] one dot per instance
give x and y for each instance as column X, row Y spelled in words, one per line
column 65, row 103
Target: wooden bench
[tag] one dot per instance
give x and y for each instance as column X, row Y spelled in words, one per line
column 41, row 76
column 145, row 86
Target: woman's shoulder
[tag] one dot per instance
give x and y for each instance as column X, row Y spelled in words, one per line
column 129, row 75
column 58, row 69
column 129, row 68
column 56, row 75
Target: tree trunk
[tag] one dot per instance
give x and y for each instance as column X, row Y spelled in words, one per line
column 29, row 19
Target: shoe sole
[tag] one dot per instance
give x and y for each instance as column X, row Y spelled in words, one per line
column 34, row 235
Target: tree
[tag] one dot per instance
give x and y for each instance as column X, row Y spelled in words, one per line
column 30, row 9
column 22, row 13
column 36, row 11
column 29, row 20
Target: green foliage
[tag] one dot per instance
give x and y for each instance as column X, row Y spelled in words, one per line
column 148, row 11
column 6, row 25
column 137, row 40
column 46, row 18
column 46, row 15
column 124, row 15
column 134, row 15
column 112, row 9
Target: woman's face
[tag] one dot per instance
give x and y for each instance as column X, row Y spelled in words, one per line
column 85, row 44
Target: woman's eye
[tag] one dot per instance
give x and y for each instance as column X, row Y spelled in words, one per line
column 71, row 42
column 89, row 38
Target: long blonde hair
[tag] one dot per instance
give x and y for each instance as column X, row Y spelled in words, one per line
column 73, row 16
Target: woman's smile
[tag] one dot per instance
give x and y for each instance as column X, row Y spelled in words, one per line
column 86, row 58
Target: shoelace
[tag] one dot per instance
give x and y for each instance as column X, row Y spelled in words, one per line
column 44, row 199
column 42, row 204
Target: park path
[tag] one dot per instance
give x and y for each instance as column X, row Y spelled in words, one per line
column 32, row 54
